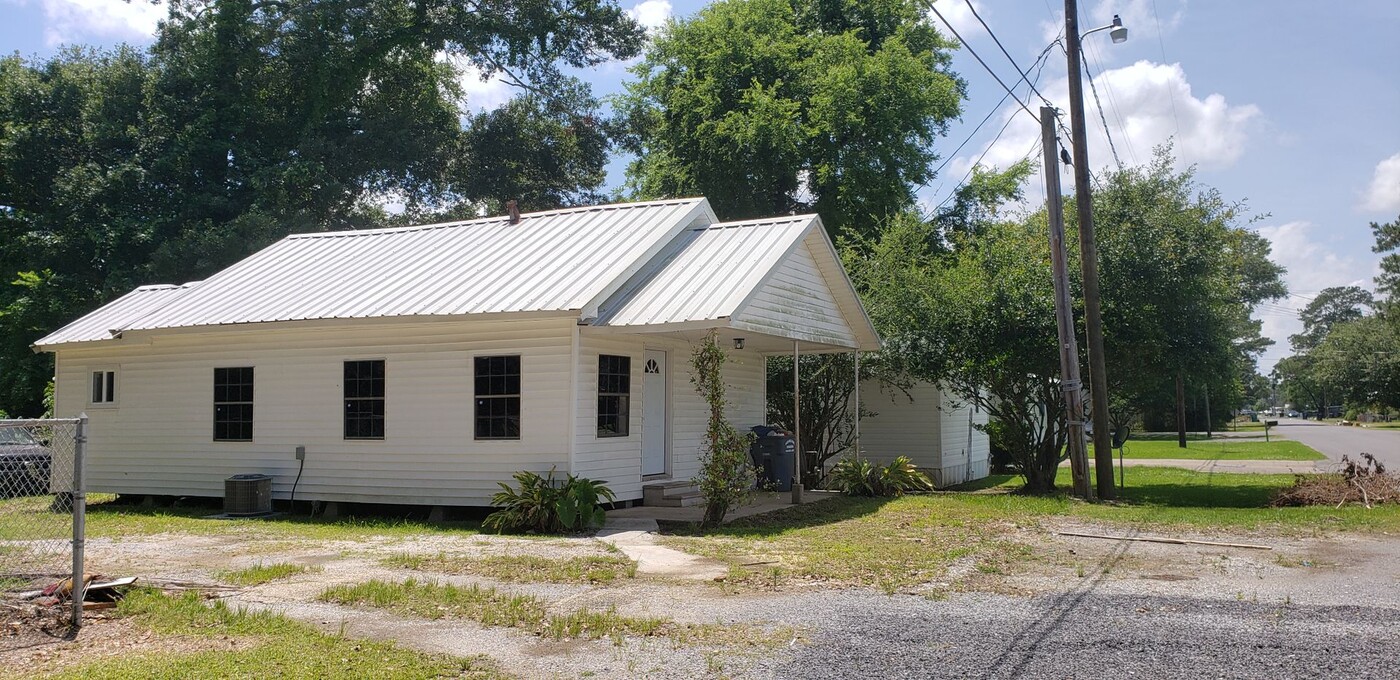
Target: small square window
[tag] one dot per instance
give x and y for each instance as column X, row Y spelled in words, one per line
column 104, row 387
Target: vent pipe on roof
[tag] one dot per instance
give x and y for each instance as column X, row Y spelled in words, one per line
column 514, row 211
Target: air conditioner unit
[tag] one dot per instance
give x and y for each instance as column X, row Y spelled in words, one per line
column 247, row 495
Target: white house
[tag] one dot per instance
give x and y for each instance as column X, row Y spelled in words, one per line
column 931, row 426
column 422, row 365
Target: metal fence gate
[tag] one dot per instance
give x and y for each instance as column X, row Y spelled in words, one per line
column 42, row 504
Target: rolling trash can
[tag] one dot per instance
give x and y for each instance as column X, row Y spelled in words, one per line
column 772, row 454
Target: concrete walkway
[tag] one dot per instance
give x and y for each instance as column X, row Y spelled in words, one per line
column 636, row 538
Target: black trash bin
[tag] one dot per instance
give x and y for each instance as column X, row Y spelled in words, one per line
column 772, row 454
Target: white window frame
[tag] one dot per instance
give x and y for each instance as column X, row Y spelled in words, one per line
column 111, row 386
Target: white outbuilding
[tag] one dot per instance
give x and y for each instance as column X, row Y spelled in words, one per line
column 941, row 433
column 422, row 365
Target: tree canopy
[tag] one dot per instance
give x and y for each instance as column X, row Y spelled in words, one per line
column 251, row 119
column 779, row 106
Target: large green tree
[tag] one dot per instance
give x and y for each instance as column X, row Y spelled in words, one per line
column 251, row 119
column 778, row 106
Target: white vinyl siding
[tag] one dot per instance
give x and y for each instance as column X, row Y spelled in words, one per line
column 619, row 459
column 796, row 301
column 159, row 443
column 930, row 426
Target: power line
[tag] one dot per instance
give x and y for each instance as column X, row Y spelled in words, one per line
column 1043, row 59
column 997, row 40
column 1043, row 55
column 1171, row 95
column 1099, row 105
column 1112, row 102
column 1025, row 108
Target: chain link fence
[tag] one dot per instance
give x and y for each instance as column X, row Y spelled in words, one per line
column 41, row 503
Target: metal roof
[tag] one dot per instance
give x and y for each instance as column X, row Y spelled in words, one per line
column 99, row 324
column 707, row 272
column 550, row 261
column 623, row 265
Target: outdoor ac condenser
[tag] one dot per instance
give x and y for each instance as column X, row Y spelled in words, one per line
column 247, row 495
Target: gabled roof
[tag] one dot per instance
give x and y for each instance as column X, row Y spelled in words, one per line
column 657, row 264
column 707, row 273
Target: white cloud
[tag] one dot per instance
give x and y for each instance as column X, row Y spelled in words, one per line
column 72, row 21
column 958, row 14
column 1138, row 104
column 1383, row 195
column 651, row 14
column 483, row 91
column 1311, row 266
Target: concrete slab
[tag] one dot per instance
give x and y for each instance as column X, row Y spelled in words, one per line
column 636, row 538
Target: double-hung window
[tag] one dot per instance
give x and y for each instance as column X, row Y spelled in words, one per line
column 364, row 399
column 233, row 404
column 498, row 397
column 614, row 393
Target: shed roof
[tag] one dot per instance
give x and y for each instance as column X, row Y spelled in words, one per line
column 99, row 324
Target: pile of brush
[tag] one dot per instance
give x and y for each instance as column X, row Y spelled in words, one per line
column 1365, row 482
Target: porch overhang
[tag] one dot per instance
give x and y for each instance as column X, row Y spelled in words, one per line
column 764, row 342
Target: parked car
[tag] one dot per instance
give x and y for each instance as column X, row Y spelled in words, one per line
column 24, row 464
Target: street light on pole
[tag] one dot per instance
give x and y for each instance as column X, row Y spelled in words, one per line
column 1088, row 250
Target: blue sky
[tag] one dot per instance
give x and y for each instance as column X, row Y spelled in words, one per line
column 1292, row 105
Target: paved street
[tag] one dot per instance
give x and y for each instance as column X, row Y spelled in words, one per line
column 1333, row 440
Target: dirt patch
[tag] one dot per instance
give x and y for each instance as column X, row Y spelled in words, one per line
column 36, row 642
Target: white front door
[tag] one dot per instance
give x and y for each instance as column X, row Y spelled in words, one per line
column 655, row 422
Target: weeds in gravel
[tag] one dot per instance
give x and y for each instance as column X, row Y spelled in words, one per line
column 259, row 574
column 258, row 645
column 522, row 568
column 491, row 607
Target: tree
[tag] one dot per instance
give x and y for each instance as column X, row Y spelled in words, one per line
column 780, row 106
column 1180, row 278
column 248, row 120
column 1332, row 307
column 1388, row 244
column 979, row 320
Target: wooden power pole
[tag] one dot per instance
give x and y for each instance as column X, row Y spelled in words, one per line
column 1088, row 261
column 1064, row 311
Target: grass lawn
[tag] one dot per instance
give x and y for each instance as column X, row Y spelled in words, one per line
column 264, row 646
column 1221, row 449
column 107, row 518
column 259, row 574
column 897, row 543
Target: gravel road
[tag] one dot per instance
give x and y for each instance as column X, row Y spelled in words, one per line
column 1092, row 635
column 1334, row 440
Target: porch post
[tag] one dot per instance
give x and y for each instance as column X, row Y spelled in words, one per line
column 856, row 354
column 796, row 424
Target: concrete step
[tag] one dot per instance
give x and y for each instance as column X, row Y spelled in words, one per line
column 674, row 493
column 683, row 500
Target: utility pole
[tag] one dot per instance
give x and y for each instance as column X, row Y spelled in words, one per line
column 1089, row 261
column 1064, row 312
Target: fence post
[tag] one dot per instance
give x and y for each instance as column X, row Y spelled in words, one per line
column 79, row 591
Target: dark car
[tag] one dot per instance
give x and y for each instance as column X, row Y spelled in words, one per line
column 24, row 464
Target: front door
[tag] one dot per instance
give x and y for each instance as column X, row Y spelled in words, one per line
column 655, row 422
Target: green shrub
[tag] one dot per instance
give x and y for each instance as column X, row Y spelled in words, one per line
column 860, row 478
column 726, row 472
column 544, row 505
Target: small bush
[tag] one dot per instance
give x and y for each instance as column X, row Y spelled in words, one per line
column 546, row 506
column 860, row 478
